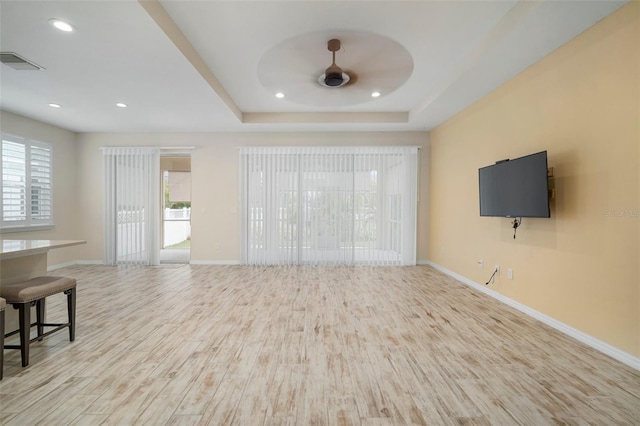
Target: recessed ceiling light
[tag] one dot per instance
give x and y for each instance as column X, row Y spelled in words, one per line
column 121, row 105
column 375, row 94
column 62, row 25
column 52, row 105
column 279, row 95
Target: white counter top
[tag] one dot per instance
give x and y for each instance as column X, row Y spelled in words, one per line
column 18, row 248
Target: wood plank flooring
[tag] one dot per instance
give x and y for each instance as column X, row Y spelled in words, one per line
column 182, row 344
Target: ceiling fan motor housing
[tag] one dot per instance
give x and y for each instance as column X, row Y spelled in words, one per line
column 333, row 76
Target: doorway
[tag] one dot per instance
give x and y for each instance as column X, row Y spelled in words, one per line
column 176, row 209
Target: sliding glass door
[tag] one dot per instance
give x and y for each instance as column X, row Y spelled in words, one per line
column 329, row 205
column 131, row 206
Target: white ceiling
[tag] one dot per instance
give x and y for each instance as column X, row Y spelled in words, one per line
column 195, row 66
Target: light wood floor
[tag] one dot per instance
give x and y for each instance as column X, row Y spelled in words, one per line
column 182, row 344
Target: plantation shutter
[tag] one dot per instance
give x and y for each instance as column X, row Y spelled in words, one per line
column 27, row 183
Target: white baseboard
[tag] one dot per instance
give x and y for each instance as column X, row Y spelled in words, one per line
column 60, row 265
column 599, row 345
column 100, row 262
column 214, row 262
column 73, row 263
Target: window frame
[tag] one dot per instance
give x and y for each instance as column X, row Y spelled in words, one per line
column 29, row 223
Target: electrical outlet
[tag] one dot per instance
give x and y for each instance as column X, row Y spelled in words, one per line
column 510, row 273
column 480, row 264
column 497, row 269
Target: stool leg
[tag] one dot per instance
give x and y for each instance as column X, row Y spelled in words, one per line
column 1, row 342
column 24, row 312
column 40, row 317
column 71, row 309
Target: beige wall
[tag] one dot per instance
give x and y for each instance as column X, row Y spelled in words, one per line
column 582, row 104
column 65, row 208
column 215, row 227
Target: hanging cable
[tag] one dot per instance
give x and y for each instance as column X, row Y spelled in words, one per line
column 495, row 271
column 516, row 223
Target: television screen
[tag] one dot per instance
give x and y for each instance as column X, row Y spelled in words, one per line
column 515, row 188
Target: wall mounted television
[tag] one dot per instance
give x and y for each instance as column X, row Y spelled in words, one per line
column 515, row 188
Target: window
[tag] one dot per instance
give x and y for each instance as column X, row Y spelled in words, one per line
column 27, row 185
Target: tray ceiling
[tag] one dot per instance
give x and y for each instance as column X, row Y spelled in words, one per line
column 195, row 66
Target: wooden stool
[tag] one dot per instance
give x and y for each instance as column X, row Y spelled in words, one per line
column 3, row 303
column 25, row 294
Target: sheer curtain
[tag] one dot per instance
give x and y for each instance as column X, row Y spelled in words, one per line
column 328, row 205
column 131, row 206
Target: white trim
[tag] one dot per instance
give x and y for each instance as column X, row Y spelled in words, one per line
column 214, row 262
column 60, row 265
column 171, row 148
column 605, row 348
column 328, row 147
column 100, row 262
column 89, row 262
column 74, row 263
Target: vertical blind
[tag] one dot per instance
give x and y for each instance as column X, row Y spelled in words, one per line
column 131, row 206
column 328, row 205
column 27, row 183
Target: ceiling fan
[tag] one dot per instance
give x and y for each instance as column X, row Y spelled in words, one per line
column 297, row 67
column 334, row 76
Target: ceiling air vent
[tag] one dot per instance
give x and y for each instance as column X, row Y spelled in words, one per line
column 17, row 62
